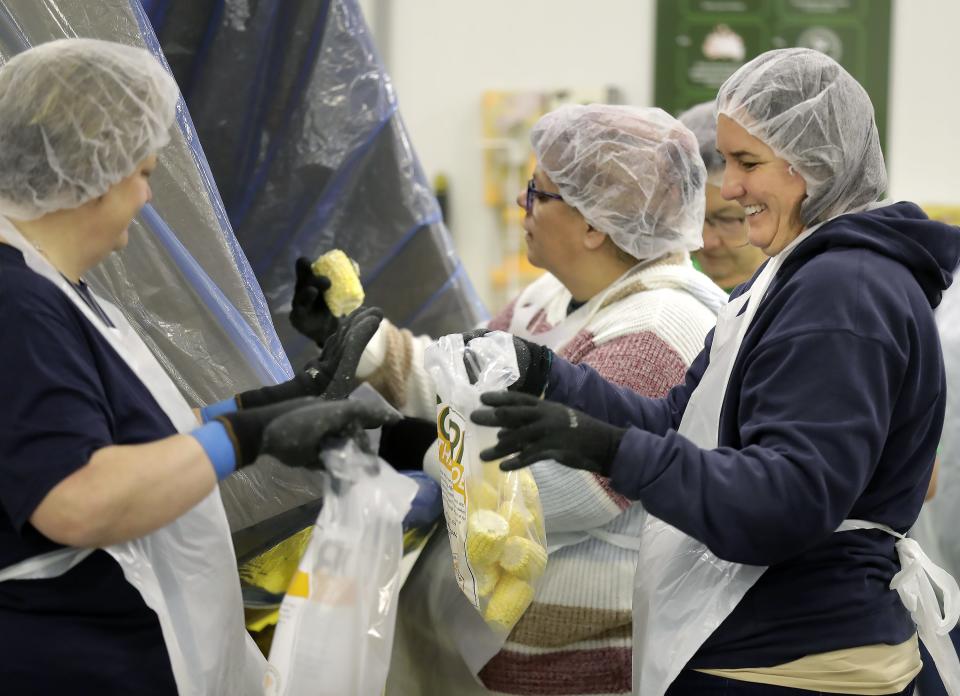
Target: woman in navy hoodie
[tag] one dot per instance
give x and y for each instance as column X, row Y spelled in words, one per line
column 780, row 475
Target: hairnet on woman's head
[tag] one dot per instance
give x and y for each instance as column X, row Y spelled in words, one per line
column 634, row 174
column 702, row 122
column 811, row 112
column 76, row 117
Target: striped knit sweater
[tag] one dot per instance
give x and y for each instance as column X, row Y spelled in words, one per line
column 576, row 636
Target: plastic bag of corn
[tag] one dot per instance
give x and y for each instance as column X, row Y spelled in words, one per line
column 494, row 519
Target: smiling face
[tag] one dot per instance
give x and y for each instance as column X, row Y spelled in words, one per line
column 763, row 184
column 554, row 229
column 727, row 257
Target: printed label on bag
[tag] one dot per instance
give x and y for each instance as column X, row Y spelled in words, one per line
column 450, row 427
column 451, row 433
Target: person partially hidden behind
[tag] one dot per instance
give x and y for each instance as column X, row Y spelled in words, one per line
column 727, row 256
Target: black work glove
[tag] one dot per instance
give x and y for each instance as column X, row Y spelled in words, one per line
column 297, row 437
column 245, row 427
column 533, row 360
column 295, row 431
column 331, row 376
column 309, row 313
column 535, row 430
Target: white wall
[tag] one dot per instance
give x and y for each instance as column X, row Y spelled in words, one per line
column 923, row 138
column 444, row 54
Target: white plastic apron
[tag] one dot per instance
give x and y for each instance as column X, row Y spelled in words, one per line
column 683, row 592
column 186, row 572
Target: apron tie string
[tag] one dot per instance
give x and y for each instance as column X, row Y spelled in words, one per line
column 915, row 585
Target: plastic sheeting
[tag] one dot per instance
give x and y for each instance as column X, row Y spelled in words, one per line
column 300, row 125
column 183, row 281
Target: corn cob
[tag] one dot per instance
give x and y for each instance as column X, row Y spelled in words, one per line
column 522, row 521
column 523, row 558
column 483, row 495
column 510, row 599
column 487, row 577
column 345, row 293
column 486, row 535
column 528, row 488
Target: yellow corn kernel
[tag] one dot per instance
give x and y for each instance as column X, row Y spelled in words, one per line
column 528, row 488
column 522, row 522
column 523, row 558
column 486, row 577
column 486, row 534
column 345, row 293
column 509, row 600
column 483, row 495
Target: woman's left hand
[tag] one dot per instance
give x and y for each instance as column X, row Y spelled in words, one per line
column 535, row 430
column 334, row 373
column 298, row 436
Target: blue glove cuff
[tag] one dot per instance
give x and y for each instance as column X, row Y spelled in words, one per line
column 208, row 413
column 216, row 443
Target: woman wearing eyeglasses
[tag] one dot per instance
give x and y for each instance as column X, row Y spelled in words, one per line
column 727, row 257
column 612, row 209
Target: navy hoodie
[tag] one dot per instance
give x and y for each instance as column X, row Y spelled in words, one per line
column 833, row 411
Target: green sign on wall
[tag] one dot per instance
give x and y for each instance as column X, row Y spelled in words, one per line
column 702, row 42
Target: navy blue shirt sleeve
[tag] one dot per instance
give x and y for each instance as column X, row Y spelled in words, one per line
column 54, row 409
column 582, row 388
column 814, row 417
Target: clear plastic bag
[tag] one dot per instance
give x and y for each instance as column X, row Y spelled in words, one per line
column 335, row 631
column 494, row 519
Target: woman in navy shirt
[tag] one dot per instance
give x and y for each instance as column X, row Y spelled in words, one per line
column 107, row 477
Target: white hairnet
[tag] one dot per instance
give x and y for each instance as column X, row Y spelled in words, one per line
column 634, row 173
column 811, row 112
column 76, row 117
column 702, row 122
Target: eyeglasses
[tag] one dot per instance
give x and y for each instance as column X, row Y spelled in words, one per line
column 726, row 226
column 534, row 192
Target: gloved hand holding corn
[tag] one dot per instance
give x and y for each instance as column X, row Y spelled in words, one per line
column 345, row 293
column 494, row 519
column 325, row 289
